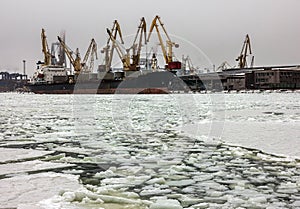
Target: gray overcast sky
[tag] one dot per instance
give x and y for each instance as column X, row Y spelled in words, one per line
column 217, row 27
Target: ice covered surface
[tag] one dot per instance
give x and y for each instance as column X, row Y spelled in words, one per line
column 269, row 122
column 166, row 204
column 9, row 154
column 26, row 191
column 30, row 166
column 272, row 137
column 131, row 152
column 91, row 197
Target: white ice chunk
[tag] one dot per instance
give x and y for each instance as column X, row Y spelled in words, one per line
column 155, row 191
column 130, row 180
column 10, row 154
column 288, row 188
column 166, row 204
column 35, row 165
column 181, row 183
column 160, row 180
column 31, row 189
column 105, row 174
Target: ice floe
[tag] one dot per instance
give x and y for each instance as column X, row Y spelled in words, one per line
column 27, row 191
column 14, row 155
column 144, row 160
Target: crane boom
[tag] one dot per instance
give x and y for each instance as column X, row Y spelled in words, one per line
column 136, row 48
column 154, row 24
column 76, row 62
column 91, row 51
column 167, row 53
column 87, row 54
column 246, row 50
column 45, row 49
column 124, row 57
column 115, row 30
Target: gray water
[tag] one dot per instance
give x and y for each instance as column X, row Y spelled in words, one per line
column 150, row 151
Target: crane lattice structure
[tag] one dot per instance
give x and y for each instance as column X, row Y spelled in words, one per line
column 246, row 52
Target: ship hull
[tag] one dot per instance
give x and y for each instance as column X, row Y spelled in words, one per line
column 70, row 89
column 152, row 83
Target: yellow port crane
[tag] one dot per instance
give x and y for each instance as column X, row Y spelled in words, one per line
column 125, row 58
column 136, row 47
column 246, row 51
column 45, row 49
column 76, row 62
column 90, row 53
column 167, row 53
column 116, row 29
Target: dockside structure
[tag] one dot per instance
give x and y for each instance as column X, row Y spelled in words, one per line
column 257, row 78
column 12, row 81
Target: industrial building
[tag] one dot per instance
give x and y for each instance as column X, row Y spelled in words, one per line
column 11, row 81
column 277, row 78
column 259, row 78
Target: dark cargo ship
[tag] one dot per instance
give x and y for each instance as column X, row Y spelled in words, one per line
column 56, row 80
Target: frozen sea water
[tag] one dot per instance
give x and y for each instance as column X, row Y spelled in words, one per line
column 150, row 151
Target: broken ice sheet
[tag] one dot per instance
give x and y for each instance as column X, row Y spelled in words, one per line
column 10, row 154
column 30, row 166
column 29, row 190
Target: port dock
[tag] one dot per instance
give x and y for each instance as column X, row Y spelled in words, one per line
column 256, row 78
column 12, row 81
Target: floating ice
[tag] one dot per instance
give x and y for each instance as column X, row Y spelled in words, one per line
column 187, row 201
column 155, row 191
column 181, row 183
column 296, row 204
column 10, row 154
column 130, row 180
column 29, row 190
column 201, row 205
column 288, row 188
column 30, row 166
column 160, row 180
column 105, row 174
column 166, row 204
column 150, row 160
